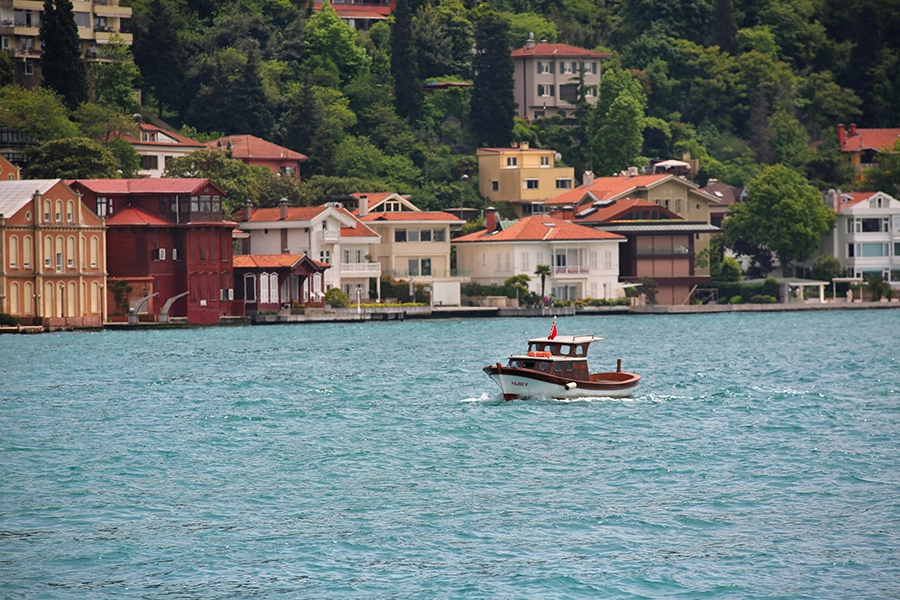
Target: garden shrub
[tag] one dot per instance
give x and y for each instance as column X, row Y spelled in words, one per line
column 763, row 299
column 9, row 320
column 736, row 300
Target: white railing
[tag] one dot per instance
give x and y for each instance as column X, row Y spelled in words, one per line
column 330, row 236
column 373, row 269
column 572, row 270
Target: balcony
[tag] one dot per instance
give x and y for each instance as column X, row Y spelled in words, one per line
column 329, row 237
column 571, row 270
column 362, row 269
column 433, row 274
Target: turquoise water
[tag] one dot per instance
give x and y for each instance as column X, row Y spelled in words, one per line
column 758, row 459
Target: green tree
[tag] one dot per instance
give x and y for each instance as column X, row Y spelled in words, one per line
column 37, row 114
column 116, row 75
column 615, row 125
column 103, row 123
column 7, row 71
column 442, row 34
column 885, row 176
column 543, row 271
column 408, row 96
column 524, row 25
column 826, row 267
column 332, row 46
column 127, row 159
column 240, row 181
column 70, row 158
column 336, row 298
column 62, row 68
column 161, row 50
column 493, row 106
column 784, row 213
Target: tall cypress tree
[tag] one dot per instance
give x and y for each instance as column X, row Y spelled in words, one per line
column 159, row 52
column 493, row 102
column 408, row 95
column 62, row 69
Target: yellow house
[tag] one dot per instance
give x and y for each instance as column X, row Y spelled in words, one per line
column 52, row 255
column 522, row 176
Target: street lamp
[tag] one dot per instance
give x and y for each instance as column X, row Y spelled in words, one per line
column 465, row 180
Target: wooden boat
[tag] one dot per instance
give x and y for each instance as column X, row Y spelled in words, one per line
column 556, row 367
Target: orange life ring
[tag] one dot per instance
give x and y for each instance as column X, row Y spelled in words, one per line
column 539, row 354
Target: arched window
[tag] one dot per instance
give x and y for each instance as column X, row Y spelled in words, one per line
column 95, row 297
column 59, row 253
column 28, row 252
column 71, row 297
column 70, row 211
column 13, row 252
column 59, row 211
column 70, row 252
column 48, row 252
column 48, row 208
column 28, row 298
column 95, row 252
column 48, row 300
column 263, row 288
column 81, row 254
column 273, row 288
column 14, row 299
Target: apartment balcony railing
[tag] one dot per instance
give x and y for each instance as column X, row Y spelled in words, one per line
column 329, row 236
column 370, row 269
column 433, row 273
column 571, row 270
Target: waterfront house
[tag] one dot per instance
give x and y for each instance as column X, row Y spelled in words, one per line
column 522, row 176
column 413, row 243
column 360, row 14
column 52, row 255
column 866, row 238
column 271, row 282
column 258, row 152
column 320, row 232
column 862, row 146
column 658, row 244
column 727, row 195
column 546, row 78
column 584, row 261
column 166, row 237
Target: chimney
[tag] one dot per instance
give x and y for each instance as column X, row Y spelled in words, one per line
column 529, row 43
column 587, row 178
column 568, row 213
column 282, row 208
column 247, row 211
column 363, row 205
column 523, row 145
column 842, row 134
column 852, row 129
column 491, row 222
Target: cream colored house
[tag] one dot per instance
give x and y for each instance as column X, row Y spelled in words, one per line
column 522, row 176
column 584, row 262
column 547, row 75
column 669, row 191
column 156, row 146
column 415, row 244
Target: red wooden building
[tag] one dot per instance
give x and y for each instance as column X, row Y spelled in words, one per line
column 170, row 230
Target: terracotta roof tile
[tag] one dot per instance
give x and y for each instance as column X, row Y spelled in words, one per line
column 558, row 50
column 359, row 228
column 266, row 261
column 180, row 140
column 871, row 139
column 539, row 228
column 146, row 185
column 423, row 215
column 605, row 214
column 606, row 188
column 135, row 216
column 250, row 146
column 294, row 213
column 852, row 198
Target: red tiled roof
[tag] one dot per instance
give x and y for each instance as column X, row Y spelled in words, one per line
column 250, row 146
column 852, row 198
column 607, row 188
column 359, row 228
column 136, row 216
column 266, row 261
column 180, row 139
column 294, row 213
column 871, row 139
column 422, row 215
column 529, row 149
column 147, row 185
column 539, row 228
column 609, row 213
column 362, row 12
column 558, row 50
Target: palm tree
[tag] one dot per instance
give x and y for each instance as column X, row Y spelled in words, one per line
column 543, row 271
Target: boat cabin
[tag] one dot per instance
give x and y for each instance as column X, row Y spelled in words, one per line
column 563, row 356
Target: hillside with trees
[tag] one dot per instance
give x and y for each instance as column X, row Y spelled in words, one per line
column 740, row 85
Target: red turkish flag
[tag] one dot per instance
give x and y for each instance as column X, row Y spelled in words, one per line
column 552, row 330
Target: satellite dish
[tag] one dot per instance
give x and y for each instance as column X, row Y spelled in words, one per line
column 557, row 156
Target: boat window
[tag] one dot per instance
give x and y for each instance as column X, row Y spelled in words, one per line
column 569, row 366
column 548, row 348
column 543, row 366
column 528, row 364
column 565, row 350
column 579, row 350
column 513, row 363
column 533, row 347
column 557, row 367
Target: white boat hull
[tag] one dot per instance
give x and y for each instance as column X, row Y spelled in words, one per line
column 515, row 385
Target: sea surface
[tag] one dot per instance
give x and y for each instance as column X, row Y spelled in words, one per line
column 759, row 458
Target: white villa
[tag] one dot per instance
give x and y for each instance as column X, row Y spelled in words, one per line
column 867, row 237
column 584, row 261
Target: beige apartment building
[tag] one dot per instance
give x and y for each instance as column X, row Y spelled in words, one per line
column 523, row 176
column 98, row 22
column 546, row 78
